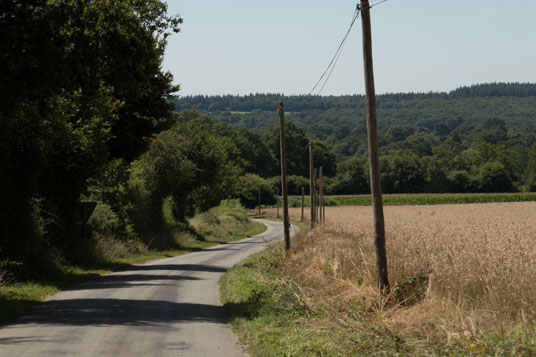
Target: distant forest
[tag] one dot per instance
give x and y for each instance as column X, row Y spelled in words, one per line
column 478, row 138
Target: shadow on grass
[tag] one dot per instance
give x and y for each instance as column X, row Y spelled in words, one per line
column 247, row 310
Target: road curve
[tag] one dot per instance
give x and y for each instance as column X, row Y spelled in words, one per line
column 168, row 307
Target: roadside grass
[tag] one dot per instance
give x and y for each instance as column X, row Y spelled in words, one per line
column 226, row 225
column 421, row 199
column 459, row 289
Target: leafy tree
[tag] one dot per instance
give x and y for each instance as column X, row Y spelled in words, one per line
column 258, row 159
column 461, row 182
column 296, row 148
column 248, row 191
column 351, row 177
column 401, row 172
column 494, row 177
column 492, row 131
column 189, row 164
column 435, row 174
column 398, row 133
column 81, row 81
column 298, row 151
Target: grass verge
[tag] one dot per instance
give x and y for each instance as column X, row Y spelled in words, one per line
column 221, row 225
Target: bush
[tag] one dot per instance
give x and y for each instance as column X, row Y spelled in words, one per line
column 227, row 219
column 248, row 191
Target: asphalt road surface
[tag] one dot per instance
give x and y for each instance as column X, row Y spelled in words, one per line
column 168, row 307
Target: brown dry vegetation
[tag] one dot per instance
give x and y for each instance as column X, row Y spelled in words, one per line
column 454, row 269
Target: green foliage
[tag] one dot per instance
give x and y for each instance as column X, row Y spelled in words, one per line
column 189, row 164
column 428, row 199
column 452, row 135
column 81, row 82
column 296, row 148
column 352, row 177
column 248, row 191
column 494, row 177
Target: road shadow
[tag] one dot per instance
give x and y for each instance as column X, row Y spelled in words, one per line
column 129, row 280
column 105, row 312
column 180, row 267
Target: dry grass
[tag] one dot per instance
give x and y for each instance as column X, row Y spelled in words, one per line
column 460, row 268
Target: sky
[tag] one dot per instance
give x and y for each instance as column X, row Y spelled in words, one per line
column 240, row 47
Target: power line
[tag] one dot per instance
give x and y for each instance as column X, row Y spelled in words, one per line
column 378, row 3
column 335, row 58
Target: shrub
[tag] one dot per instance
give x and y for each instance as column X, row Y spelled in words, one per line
column 248, row 191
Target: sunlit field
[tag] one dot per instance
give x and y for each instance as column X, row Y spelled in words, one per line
column 463, row 268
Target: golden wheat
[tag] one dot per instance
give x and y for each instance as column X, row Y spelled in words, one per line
column 478, row 261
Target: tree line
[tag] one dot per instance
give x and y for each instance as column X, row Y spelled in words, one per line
column 474, row 139
column 264, row 101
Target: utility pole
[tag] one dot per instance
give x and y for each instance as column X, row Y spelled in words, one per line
column 374, row 161
column 315, row 200
column 277, row 204
column 282, row 140
column 311, row 184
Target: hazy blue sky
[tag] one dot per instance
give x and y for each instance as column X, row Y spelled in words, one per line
column 283, row 46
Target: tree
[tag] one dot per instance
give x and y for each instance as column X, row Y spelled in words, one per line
column 351, row 177
column 258, row 159
column 190, row 165
column 81, row 81
column 402, row 173
column 297, row 154
column 248, row 191
column 297, row 151
column 494, row 177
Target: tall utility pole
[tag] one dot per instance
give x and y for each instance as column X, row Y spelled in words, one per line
column 314, row 199
column 374, row 161
column 282, row 140
column 311, row 183
column 277, row 204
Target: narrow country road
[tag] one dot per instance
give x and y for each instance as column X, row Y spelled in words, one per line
column 168, row 307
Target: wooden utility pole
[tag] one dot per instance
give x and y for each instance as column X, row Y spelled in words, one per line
column 315, row 200
column 277, row 204
column 311, row 183
column 282, row 140
column 374, row 162
column 302, row 202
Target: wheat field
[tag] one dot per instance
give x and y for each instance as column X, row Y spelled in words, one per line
column 461, row 268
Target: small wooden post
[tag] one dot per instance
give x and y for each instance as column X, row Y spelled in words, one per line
column 311, row 184
column 282, row 140
column 302, row 202
column 374, row 162
column 259, row 200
